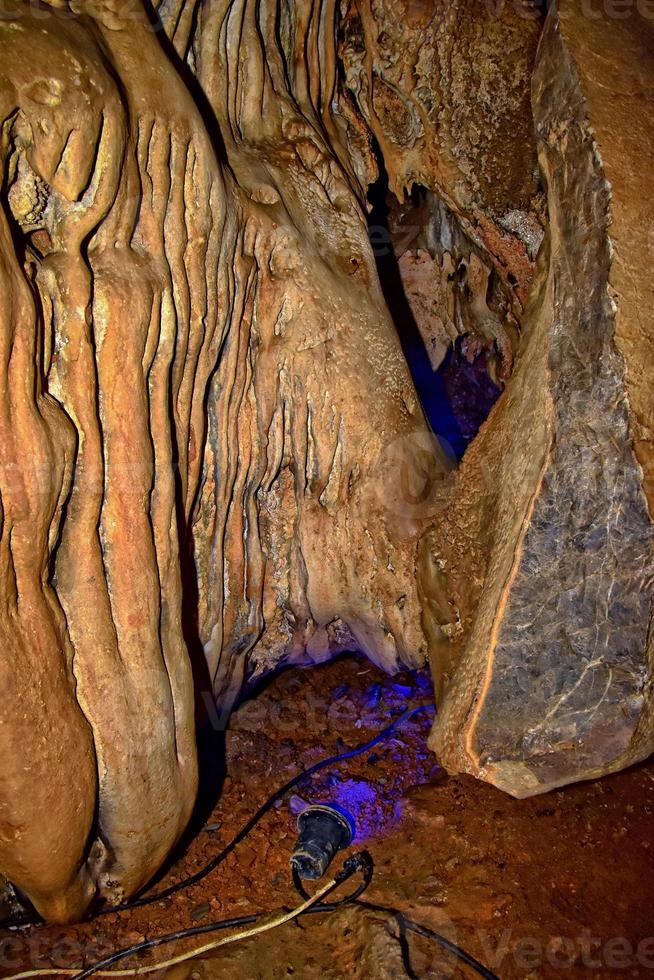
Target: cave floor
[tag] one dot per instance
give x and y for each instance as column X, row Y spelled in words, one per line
column 558, row 884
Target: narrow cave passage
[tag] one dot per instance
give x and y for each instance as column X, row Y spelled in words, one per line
column 455, row 376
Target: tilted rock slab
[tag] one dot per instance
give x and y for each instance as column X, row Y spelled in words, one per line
column 554, row 683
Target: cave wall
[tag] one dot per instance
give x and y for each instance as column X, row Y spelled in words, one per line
column 303, row 529
column 111, row 253
column 201, row 385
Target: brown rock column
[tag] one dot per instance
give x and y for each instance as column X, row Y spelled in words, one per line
column 116, row 198
column 303, row 546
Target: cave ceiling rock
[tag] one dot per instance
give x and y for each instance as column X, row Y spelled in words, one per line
column 444, row 90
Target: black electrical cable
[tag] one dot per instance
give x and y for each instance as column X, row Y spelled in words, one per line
column 361, row 861
column 171, row 937
column 261, row 812
column 412, row 926
column 446, row 944
column 357, row 861
column 249, row 826
column 436, row 937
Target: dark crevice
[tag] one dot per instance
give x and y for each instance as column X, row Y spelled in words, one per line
column 429, row 385
column 457, row 397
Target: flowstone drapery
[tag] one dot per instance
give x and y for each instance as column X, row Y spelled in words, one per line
column 213, row 461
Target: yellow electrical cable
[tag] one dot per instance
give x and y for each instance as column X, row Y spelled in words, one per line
column 139, row 971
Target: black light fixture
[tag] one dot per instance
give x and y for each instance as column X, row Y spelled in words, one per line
column 324, row 831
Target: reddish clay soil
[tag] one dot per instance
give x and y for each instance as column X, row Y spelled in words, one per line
column 558, row 885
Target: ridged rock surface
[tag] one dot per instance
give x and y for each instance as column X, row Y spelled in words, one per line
column 112, row 331
column 200, row 386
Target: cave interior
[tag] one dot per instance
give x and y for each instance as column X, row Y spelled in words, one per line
column 327, row 360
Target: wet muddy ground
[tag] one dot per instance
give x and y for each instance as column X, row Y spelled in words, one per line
column 558, row 885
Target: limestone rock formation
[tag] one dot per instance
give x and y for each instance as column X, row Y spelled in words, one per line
column 213, row 458
column 110, row 332
column 201, row 384
column 444, row 90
